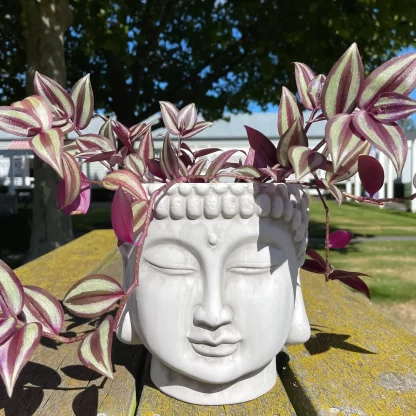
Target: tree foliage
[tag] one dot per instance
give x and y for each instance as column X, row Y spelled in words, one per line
column 220, row 54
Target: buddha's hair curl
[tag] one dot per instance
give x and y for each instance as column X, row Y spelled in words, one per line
column 287, row 203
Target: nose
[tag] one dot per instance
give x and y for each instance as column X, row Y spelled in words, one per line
column 212, row 312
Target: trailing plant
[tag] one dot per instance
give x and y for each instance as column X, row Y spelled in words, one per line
column 360, row 112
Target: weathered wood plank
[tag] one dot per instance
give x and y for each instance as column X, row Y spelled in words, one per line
column 54, row 382
column 153, row 403
column 357, row 362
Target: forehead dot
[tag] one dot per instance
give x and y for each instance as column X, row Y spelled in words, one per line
column 213, row 239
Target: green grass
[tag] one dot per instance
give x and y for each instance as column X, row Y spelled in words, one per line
column 392, row 266
column 362, row 220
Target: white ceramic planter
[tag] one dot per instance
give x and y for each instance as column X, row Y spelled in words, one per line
column 219, row 291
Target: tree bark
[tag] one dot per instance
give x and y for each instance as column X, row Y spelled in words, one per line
column 44, row 23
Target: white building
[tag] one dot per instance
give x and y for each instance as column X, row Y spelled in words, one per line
column 15, row 154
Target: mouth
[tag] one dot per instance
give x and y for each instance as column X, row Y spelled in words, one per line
column 211, row 349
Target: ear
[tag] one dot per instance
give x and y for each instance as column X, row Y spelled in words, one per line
column 300, row 331
column 125, row 331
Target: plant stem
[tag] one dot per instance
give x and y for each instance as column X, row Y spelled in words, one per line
column 327, row 266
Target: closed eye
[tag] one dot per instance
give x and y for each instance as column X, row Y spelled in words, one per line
column 252, row 268
column 173, row 269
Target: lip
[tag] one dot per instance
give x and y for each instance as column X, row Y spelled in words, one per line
column 215, row 350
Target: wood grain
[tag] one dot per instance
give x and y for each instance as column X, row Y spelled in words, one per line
column 357, row 362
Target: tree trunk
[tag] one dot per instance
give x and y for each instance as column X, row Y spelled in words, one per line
column 44, row 23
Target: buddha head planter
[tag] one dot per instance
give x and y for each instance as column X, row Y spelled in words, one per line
column 219, row 291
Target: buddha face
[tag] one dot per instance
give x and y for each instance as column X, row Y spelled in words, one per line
column 215, row 300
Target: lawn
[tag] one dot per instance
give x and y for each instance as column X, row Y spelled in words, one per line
column 392, row 266
column 362, row 220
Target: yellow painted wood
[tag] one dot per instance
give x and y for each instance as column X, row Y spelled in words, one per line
column 357, row 362
column 153, row 403
column 54, row 382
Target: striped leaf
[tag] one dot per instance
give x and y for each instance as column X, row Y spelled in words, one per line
column 93, row 295
column 197, row 168
column 218, row 163
column 288, row 112
column 16, row 352
column 315, row 90
column 169, row 161
column 336, row 193
column 304, row 75
column 295, row 136
column 48, row 146
column 122, row 216
column 187, row 117
column 371, row 174
column 138, row 130
column 265, row 152
column 123, row 134
column 36, row 105
column 134, row 163
column 343, row 83
column 66, row 128
column 81, row 203
column 392, row 106
column 95, row 141
column 199, row 126
column 396, row 75
column 344, row 146
column 95, row 155
column 54, row 94
column 7, row 327
column 128, row 181
column 83, row 99
column 42, row 307
column 107, row 131
column 139, row 209
column 347, row 170
column 95, row 350
column 247, row 171
column 305, row 160
column 388, row 138
column 19, row 121
column 11, row 291
column 70, row 189
column 146, row 148
column 170, row 117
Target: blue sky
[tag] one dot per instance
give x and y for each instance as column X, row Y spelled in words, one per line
column 255, row 108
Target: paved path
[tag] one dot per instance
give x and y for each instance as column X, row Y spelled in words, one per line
column 371, row 239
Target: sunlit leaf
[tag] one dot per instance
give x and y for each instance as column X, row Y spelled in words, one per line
column 81, row 203
column 199, row 126
column 11, row 291
column 288, row 112
column 93, row 295
column 107, row 130
column 386, row 137
column 218, row 163
column 295, row 136
column 146, row 146
column 396, row 75
column 19, row 121
column 247, row 171
column 343, row 84
column 128, row 181
column 95, row 350
column 54, row 94
column 48, row 145
column 169, row 159
column 187, row 117
column 391, row 106
column 139, row 209
column 134, row 163
column 7, row 327
column 315, row 89
column 36, row 105
column 305, row 160
column 336, row 193
column 42, row 307
column 197, row 168
column 304, row 75
column 83, row 99
column 170, row 117
column 16, row 352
